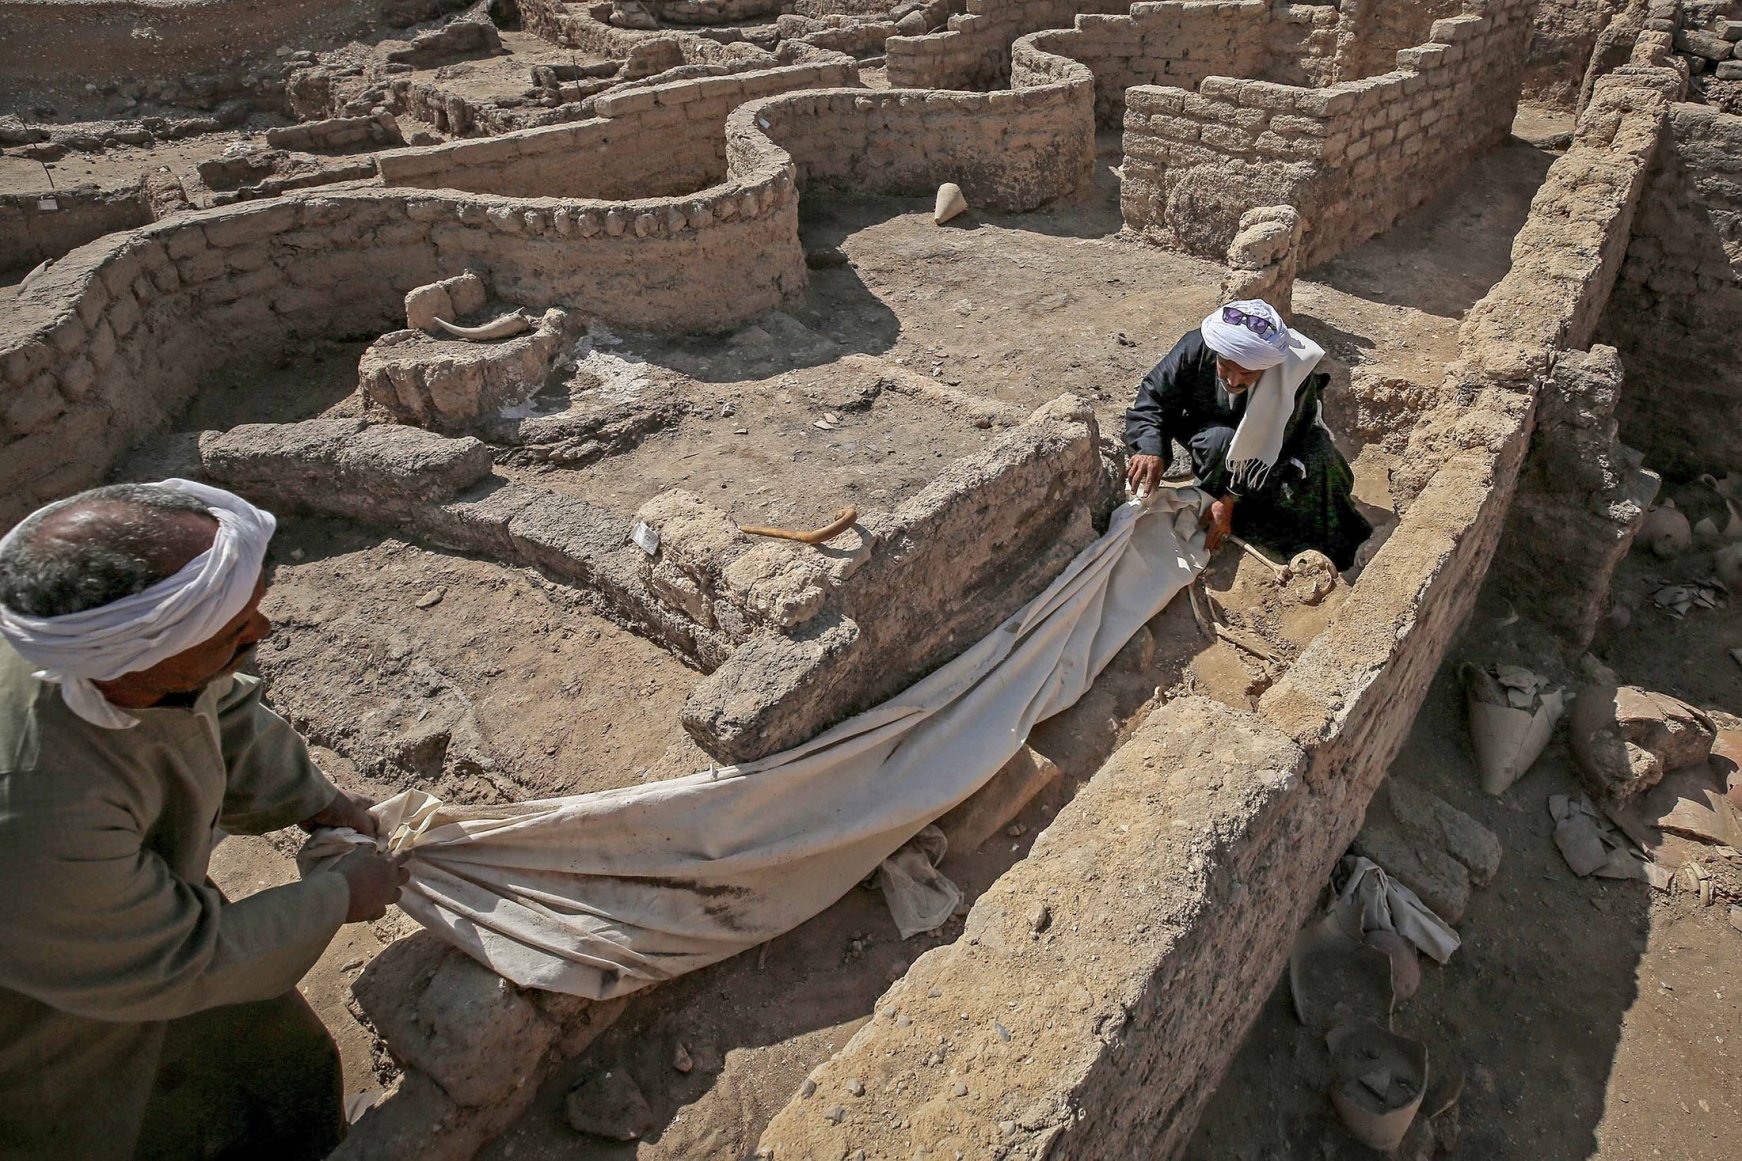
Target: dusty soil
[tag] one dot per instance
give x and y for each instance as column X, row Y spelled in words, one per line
column 1591, row 1018
column 512, row 687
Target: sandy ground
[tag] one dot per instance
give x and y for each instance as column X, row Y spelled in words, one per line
column 511, row 687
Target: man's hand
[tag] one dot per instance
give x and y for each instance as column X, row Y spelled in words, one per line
column 1144, row 471
column 374, row 880
column 1219, row 520
column 346, row 809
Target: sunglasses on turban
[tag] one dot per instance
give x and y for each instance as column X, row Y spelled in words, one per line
column 1256, row 323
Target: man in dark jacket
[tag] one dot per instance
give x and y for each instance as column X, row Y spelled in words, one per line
column 1241, row 396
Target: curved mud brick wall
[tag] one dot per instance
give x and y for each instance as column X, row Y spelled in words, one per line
column 1012, row 150
column 1352, row 158
column 50, row 46
column 1174, row 881
column 974, row 51
column 1180, row 44
column 607, row 156
column 107, row 343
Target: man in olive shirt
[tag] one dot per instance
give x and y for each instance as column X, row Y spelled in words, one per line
column 141, row 1013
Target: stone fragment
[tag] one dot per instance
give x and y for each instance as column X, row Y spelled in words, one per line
column 950, row 203
column 426, row 304
column 608, row 1104
column 1437, row 821
column 680, row 1059
column 1438, row 880
column 440, row 1011
column 1624, row 739
column 432, row 598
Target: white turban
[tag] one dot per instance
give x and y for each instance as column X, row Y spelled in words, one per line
column 1236, row 342
column 139, row 631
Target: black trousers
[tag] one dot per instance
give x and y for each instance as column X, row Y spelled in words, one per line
column 246, row 1082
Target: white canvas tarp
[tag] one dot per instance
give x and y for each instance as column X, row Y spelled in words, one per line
column 601, row 894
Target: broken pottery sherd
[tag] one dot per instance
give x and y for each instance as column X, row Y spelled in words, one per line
column 950, row 203
column 1334, row 976
column 1405, row 962
column 1378, row 1080
column 1512, row 713
column 1624, row 739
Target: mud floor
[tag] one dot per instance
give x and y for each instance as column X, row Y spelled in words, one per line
column 1590, row 1018
column 413, row 667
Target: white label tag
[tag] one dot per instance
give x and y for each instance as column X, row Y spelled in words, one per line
column 47, row 204
column 645, row 538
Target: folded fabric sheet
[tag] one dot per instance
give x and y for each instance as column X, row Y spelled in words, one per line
column 1387, row 905
column 602, row 894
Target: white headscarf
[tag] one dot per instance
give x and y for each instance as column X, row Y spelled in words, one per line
column 139, row 631
column 1286, row 358
column 1236, row 342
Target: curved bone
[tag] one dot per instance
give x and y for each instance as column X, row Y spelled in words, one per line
column 834, row 528
column 502, row 328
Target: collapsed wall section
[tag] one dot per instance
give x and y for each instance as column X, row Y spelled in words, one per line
column 1352, row 157
column 1101, row 986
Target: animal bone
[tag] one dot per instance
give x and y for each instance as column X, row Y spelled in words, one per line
column 502, row 328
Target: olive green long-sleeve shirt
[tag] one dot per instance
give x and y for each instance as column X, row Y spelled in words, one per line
column 108, row 926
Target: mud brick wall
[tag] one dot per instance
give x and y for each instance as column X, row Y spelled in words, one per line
column 1373, row 32
column 108, row 342
column 607, row 156
column 1353, row 157
column 1010, row 150
column 1176, row 878
column 1679, row 308
column 31, row 232
column 1173, row 44
column 1563, row 35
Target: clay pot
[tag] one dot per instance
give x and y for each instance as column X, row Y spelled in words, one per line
column 1728, row 563
column 1666, row 532
column 1405, row 962
column 1378, row 1079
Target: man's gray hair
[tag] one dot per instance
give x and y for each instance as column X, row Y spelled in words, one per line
column 120, row 550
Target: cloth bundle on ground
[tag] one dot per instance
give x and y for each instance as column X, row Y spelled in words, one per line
column 139, row 631
column 602, row 894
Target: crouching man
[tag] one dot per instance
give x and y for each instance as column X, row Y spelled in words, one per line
column 141, row 1013
column 1240, row 394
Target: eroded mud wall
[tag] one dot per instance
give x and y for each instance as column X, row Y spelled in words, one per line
column 1678, row 310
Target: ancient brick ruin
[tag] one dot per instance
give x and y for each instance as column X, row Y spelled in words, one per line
column 674, row 196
